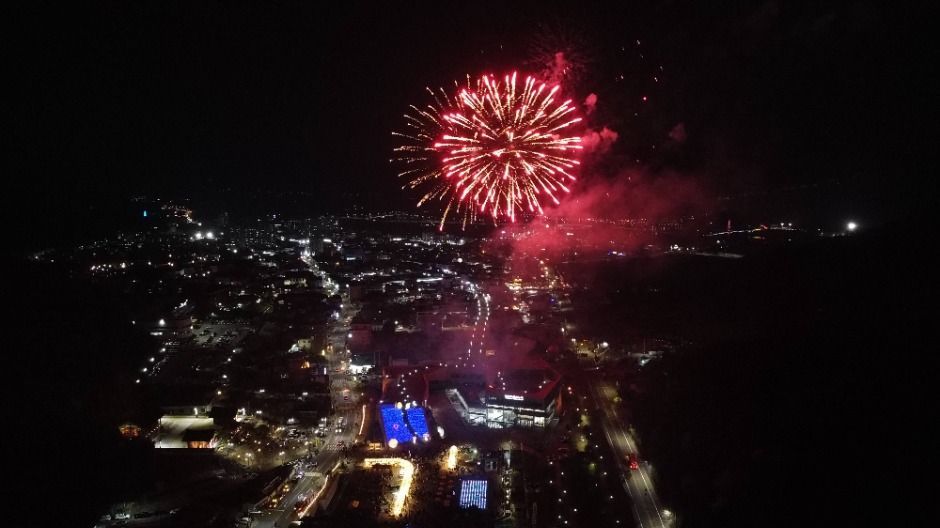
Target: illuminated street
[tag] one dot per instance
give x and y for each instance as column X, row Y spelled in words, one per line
column 646, row 506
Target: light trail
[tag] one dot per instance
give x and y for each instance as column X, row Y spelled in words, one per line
column 362, row 423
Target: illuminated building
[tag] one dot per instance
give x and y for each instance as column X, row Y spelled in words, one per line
column 473, row 494
column 403, row 425
column 525, row 396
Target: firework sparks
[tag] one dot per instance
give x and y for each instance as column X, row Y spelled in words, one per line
column 495, row 148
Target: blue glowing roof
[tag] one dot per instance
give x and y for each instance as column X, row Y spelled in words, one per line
column 417, row 421
column 393, row 421
column 473, row 493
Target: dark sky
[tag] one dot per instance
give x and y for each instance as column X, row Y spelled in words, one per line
column 191, row 98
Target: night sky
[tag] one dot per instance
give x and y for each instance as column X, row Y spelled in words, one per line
column 193, row 100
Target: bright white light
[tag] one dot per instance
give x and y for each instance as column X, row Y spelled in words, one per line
column 161, row 322
column 362, row 422
column 473, row 493
column 851, row 226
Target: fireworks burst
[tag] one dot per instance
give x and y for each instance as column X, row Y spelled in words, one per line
column 496, row 147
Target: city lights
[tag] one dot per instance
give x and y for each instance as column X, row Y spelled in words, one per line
column 590, row 213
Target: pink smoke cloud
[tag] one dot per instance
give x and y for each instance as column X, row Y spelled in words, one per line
column 677, row 133
column 598, row 142
column 557, row 69
column 634, row 193
column 602, row 216
column 590, row 104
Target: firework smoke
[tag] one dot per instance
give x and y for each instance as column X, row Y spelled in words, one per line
column 590, row 104
column 599, row 142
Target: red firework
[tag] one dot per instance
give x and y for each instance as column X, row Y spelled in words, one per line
column 496, row 147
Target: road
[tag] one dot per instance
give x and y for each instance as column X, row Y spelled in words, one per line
column 646, row 508
column 476, row 348
column 312, row 481
column 330, row 453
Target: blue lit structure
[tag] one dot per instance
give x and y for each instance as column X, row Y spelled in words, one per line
column 473, row 493
column 417, row 421
column 393, row 422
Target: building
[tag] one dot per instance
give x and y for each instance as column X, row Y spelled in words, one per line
column 521, row 395
column 181, row 432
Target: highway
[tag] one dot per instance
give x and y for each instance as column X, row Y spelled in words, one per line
column 646, row 507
